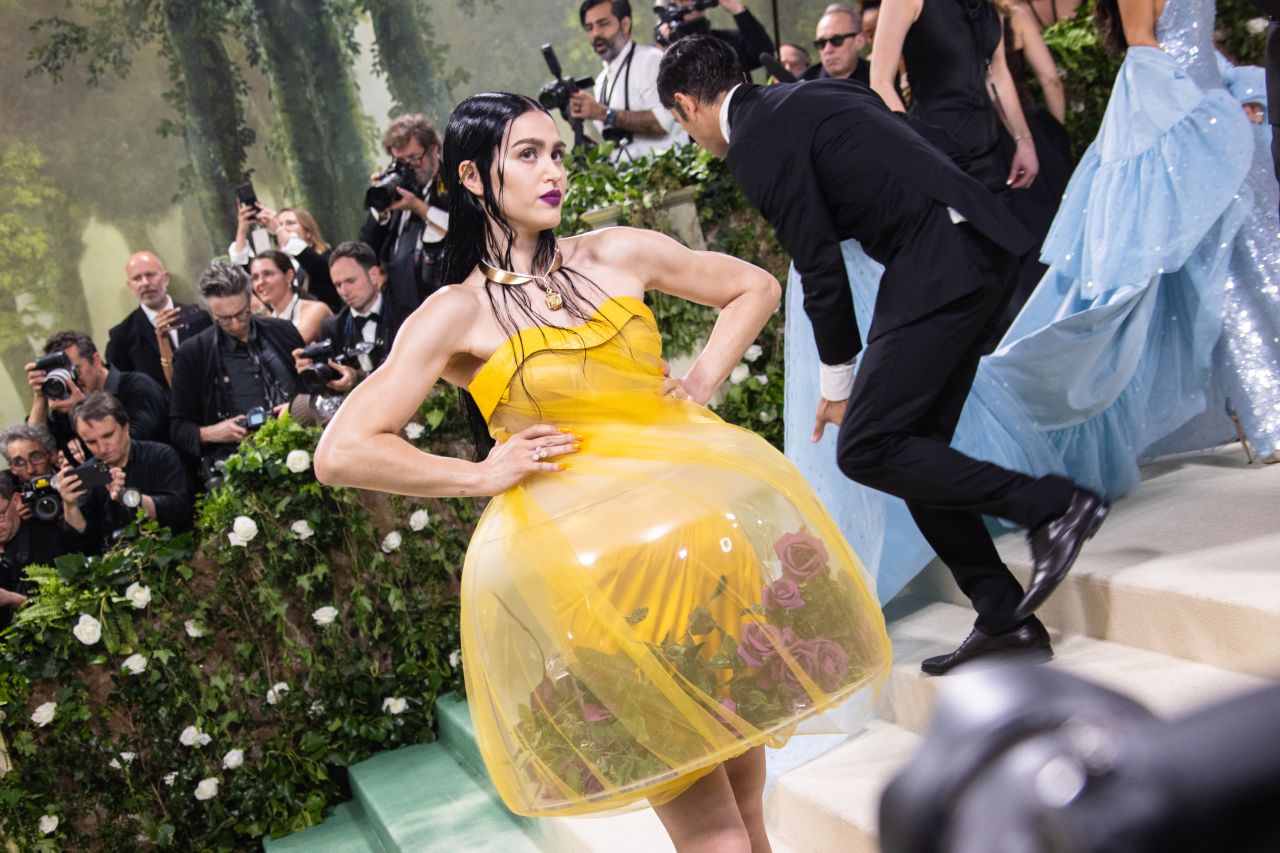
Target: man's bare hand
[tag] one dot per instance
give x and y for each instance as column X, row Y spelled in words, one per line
column 409, row 201
column 829, row 412
column 584, row 105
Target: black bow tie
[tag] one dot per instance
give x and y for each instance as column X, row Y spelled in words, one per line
column 361, row 322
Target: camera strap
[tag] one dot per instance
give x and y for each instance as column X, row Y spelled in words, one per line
column 625, row 69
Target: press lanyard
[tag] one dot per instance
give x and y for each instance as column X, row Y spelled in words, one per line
column 626, row 83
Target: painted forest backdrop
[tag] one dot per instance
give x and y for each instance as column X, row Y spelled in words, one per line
column 126, row 124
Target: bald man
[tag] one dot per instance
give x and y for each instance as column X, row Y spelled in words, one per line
column 839, row 42
column 136, row 343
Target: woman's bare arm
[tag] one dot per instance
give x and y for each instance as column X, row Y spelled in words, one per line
column 896, row 18
column 362, row 446
column 1041, row 61
column 746, row 295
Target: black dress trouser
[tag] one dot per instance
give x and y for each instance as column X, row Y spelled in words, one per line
column 911, row 386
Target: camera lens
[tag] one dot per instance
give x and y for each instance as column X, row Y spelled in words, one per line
column 57, row 385
column 47, row 507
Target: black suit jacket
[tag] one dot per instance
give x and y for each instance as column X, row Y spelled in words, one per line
column 410, row 266
column 749, row 40
column 825, row 161
column 131, row 344
column 199, row 396
column 154, row 470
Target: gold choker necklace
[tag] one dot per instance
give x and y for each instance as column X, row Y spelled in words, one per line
column 512, row 279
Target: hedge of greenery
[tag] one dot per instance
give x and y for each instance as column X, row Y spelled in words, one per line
column 198, row 692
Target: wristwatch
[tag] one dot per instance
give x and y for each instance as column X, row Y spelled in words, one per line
column 131, row 497
column 611, row 118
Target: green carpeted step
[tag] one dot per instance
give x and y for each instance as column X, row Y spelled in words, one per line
column 453, row 722
column 421, row 799
column 345, row 830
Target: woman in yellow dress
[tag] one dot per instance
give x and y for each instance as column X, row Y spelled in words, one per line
column 652, row 595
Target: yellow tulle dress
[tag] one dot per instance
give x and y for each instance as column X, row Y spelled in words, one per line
column 673, row 598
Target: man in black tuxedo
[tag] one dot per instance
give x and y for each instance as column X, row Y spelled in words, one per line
column 134, row 343
column 826, row 161
column 228, row 377
column 368, row 319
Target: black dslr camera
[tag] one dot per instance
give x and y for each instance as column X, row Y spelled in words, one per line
column 673, row 15
column 383, row 193
column 315, row 378
column 60, row 375
column 554, row 95
column 41, row 498
column 253, row 419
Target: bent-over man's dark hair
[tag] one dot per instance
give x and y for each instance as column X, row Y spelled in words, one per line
column 359, row 252
column 98, row 406
column 620, row 8
column 701, row 67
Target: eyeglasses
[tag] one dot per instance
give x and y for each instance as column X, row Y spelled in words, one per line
column 21, row 463
column 239, row 316
column 836, row 41
column 415, row 160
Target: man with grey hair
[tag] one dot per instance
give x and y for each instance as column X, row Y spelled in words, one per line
column 839, row 41
column 228, row 378
column 30, row 450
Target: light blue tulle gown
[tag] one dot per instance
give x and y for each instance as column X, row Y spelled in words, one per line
column 1160, row 305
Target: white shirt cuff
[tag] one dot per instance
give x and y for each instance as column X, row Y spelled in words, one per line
column 295, row 246
column 239, row 258
column 437, row 225
column 835, row 382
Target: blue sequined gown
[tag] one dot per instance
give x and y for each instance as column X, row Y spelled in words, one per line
column 1160, row 305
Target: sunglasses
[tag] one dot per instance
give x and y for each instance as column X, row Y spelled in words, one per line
column 836, row 41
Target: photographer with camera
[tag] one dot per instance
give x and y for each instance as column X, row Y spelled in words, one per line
column 144, row 475
column 228, row 378
column 353, row 342
column 71, row 368
column 31, row 528
column 628, row 111
column 408, row 215
column 680, row 18
column 296, row 233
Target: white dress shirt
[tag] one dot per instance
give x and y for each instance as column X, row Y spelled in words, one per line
column 636, row 88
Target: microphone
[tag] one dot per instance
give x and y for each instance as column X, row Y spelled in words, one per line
column 775, row 69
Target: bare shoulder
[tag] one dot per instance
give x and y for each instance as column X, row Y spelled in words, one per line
column 618, row 245
column 444, row 317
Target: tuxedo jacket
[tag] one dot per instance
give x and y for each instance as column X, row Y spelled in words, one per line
column 200, row 396
column 340, row 327
column 131, row 345
column 826, row 161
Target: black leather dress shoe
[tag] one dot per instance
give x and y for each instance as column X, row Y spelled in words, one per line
column 1056, row 544
column 1028, row 644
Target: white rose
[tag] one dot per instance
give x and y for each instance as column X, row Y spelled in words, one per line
column 753, row 352
column 391, row 542
column 207, row 789
column 43, row 715
column 88, row 630
column 276, row 693
column 414, row 431
column 766, row 417
column 245, row 529
column 1256, row 26
column 192, row 736
column 139, row 596
column 128, row 756
column 113, row 764
column 762, row 379
column 302, row 529
column 394, row 705
column 48, row 823
column 317, row 708
column 739, row 374
column 298, row 461
column 420, row 519
column 235, row 540
column 136, row 664
column 325, row 615
column 455, row 658
column 233, row 759
column 170, row 778
column 194, row 629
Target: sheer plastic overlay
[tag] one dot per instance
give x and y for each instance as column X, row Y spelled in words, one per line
column 672, row 599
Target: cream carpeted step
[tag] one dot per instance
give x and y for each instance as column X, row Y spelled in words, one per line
column 830, row 804
column 633, row 832
column 1165, row 684
column 1189, row 566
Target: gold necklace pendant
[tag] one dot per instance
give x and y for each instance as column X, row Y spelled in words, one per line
column 514, row 279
